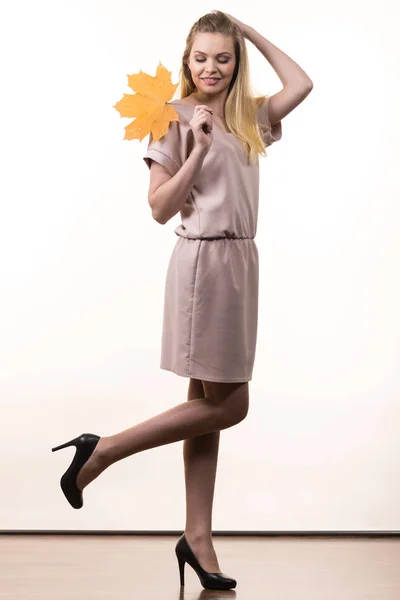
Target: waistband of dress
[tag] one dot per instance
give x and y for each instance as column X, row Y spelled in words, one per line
column 217, row 237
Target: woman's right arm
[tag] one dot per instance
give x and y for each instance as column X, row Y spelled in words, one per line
column 168, row 194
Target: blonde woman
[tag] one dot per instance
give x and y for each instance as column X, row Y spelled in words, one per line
column 205, row 167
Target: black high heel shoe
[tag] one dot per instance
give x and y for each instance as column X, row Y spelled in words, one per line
column 211, row 581
column 85, row 445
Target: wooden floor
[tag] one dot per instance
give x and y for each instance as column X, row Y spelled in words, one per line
column 131, row 567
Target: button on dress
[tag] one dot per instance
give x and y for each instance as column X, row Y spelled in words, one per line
column 211, row 288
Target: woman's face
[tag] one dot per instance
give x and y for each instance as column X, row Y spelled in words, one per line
column 212, row 55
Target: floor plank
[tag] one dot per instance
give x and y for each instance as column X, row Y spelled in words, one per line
column 145, row 567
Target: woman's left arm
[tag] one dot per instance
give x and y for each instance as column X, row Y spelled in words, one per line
column 296, row 83
column 288, row 71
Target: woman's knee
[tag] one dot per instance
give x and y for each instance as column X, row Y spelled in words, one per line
column 195, row 389
column 231, row 399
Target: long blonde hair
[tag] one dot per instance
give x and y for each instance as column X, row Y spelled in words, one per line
column 241, row 106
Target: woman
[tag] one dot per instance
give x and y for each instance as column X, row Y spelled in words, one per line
column 206, row 168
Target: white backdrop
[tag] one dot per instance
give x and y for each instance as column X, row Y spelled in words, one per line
column 83, row 267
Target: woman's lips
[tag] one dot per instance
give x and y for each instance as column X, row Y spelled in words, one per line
column 211, row 81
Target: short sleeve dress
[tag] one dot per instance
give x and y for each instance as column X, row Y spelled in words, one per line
column 211, row 289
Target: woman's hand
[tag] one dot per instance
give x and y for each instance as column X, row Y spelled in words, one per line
column 243, row 28
column 201, row 125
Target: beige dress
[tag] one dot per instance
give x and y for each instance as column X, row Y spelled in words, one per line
column 211, row 288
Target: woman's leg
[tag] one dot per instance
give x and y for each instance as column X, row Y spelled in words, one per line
column 189, row 419
column 200, row 458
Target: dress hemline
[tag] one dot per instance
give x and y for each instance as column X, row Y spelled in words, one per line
column 202, row 378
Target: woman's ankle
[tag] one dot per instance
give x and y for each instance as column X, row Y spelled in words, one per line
column 198, row 536
column 104, row 452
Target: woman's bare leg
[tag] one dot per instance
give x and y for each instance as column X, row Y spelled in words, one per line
column 200, row 458
column 189, row 419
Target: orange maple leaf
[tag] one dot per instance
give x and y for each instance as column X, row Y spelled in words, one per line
column 149, row 105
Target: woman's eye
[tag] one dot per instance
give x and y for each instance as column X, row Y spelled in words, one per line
column 221, row 61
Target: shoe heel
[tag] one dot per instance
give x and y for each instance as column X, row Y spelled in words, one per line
column 181, row 562
column 70, row 443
